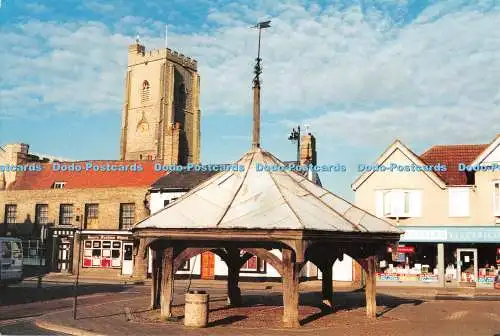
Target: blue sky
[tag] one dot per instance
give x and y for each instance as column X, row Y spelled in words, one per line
column 361, row 73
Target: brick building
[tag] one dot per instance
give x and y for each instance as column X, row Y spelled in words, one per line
column 104, row 204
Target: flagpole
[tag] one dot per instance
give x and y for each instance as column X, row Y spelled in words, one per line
column 166, row 35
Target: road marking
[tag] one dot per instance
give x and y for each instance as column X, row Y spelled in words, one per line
column 457, row 315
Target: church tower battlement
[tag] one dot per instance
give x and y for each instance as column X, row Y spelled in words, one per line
column 161, row 112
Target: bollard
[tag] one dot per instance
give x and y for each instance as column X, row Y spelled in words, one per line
column 196, row 309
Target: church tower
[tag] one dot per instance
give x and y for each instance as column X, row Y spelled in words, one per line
column 161, row 113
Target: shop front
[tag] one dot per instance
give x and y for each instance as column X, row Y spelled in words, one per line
column 443, row 256
column 107, row 252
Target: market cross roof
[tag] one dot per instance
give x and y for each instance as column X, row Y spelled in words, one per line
column 261, row 199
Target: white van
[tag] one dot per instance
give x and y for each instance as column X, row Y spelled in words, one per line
column 11, row 261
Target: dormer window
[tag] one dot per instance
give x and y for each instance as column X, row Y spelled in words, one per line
column 58, row 185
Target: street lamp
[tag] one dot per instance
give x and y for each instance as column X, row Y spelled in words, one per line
column 75, row 285
column 295, row 136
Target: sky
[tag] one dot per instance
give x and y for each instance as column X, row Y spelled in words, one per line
column 360, row 73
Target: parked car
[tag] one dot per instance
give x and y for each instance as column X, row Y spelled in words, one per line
column 11, row 261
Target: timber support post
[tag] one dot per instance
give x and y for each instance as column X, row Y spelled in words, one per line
column 167, row 282
column 327, row 283
column 290, row 289
column 370, row 289
column 233, row 277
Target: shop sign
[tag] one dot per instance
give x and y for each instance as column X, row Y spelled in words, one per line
column 429, row 277
column 403, row 249
column 101, row 237
column 423, row 235
column 451, row 234
column 486, row 279
column 408, row 277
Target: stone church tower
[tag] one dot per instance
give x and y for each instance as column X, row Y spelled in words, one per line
column 161, row 114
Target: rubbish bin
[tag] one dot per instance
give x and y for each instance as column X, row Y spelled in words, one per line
column 196, row 309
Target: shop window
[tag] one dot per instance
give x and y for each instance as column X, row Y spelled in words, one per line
column 103, row 254
column 458, row 202
column 42, row 214
column 10, row 213
column 66, row 214
column 398, row 203
column 413, row 263
column 127, row 215
column 496, row 198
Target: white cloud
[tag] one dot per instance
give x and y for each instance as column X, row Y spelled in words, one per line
column 362, row 74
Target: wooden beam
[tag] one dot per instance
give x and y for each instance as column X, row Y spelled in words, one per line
column 167, row 283
column 370, row 289
column 290, row 280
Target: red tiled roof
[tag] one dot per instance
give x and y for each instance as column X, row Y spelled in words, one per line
column 89, row 178
column 452, row 156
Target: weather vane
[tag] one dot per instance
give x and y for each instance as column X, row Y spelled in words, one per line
column 258, row 67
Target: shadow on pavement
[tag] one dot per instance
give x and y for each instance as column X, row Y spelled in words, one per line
column 343, row 301
column 14, row 295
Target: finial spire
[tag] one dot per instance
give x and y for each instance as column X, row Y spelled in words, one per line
column 256, row 89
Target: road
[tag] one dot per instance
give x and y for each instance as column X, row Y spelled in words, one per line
column 20, row 305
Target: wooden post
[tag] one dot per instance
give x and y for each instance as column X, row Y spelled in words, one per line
column 233, row 277
column 167, row 283
column 370, row 289
column 290, row 290
column 233, row 291
column 154, row 279
column 327, row 284
column 140, row 261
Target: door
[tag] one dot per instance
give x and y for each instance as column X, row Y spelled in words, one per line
column 207, row 266
column 63, row 255
column 128, row 260
column 467, row 266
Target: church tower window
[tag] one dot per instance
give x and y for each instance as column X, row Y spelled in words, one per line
column 145, row 92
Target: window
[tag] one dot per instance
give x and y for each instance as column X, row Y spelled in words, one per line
column 458, row 202
column 186, row 266
column 173, row 199
column 496, row 198
column 58, row 185
column 10, row 213
column 397, row 203
column 66, row 214
column 42, row 214
column 145, row 92
column 91, row 214
column 6, row 250
column 127, row 215
column 253, row 265
column 165, row 203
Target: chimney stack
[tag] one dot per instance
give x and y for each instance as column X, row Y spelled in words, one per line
column 308, row 150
